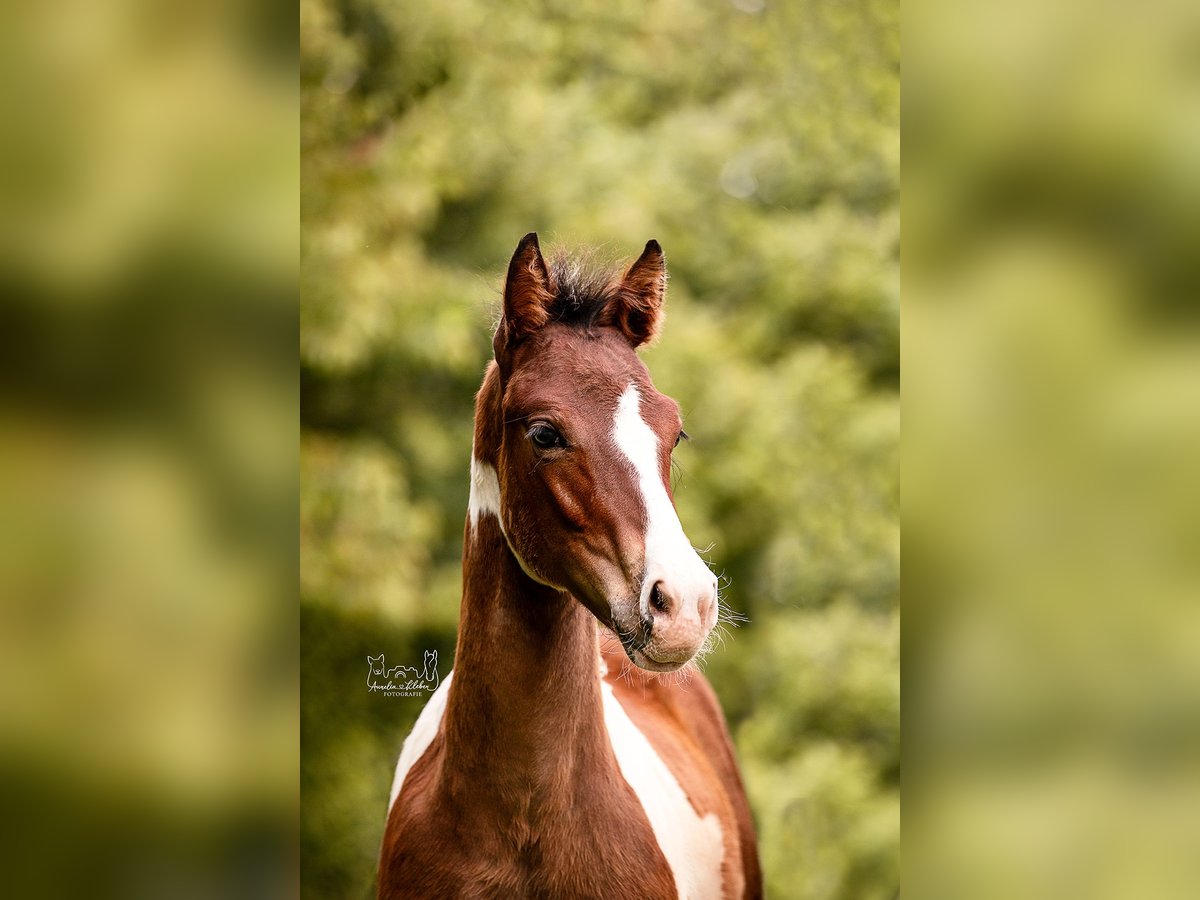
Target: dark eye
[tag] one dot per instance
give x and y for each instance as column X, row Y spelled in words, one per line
column 683, row 436
column 545, row 437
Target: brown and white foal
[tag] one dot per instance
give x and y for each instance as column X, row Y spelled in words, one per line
column 545, row 766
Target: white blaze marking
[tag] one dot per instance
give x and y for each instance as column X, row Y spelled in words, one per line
column 485, row 492
column 421, row 736
column 692, row 845
column 669, row 555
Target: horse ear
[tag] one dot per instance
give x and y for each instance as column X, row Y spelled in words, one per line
column 528, row 291
column 639, row 312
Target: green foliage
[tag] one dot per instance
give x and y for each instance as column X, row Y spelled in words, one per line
column 762, row 149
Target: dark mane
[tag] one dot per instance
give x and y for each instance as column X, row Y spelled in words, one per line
column 583, row 290
column 575, row 291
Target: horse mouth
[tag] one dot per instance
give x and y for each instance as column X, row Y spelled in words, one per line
column 644, row 660
column 632, row 643
column 636, row 641
column 635, row 649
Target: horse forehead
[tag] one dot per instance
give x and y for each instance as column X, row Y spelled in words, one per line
column 572, row 372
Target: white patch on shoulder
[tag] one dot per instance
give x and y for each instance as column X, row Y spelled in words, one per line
column 693, row 846
column 485, row 492
column 422, row 735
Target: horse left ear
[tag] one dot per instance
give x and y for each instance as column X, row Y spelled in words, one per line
column 528, row 294
column 528, row 291
column 640, row 295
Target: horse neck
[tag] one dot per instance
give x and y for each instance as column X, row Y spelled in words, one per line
column 526, row 690
column 524, row 717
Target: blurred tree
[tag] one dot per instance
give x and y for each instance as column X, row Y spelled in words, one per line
column 760, row 144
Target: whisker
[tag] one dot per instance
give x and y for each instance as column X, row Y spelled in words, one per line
column 626, row 668
column 677, row 474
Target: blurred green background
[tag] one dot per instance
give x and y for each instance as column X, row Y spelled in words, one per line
column 148, row 465
column 1051, row 438
column 760, row 144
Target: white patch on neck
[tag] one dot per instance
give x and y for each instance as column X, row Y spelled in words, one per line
column 669, row 554
column 693, row 845
column 485, row 501
column 485, row 492
column 422, row 735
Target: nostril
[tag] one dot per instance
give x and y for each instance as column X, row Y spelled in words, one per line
column 658, row 600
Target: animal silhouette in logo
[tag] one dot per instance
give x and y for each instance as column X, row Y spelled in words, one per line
column 375, row 669
column 380, row 677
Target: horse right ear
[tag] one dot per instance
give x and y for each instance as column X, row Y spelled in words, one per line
column 640, row 295
column 528, row 293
